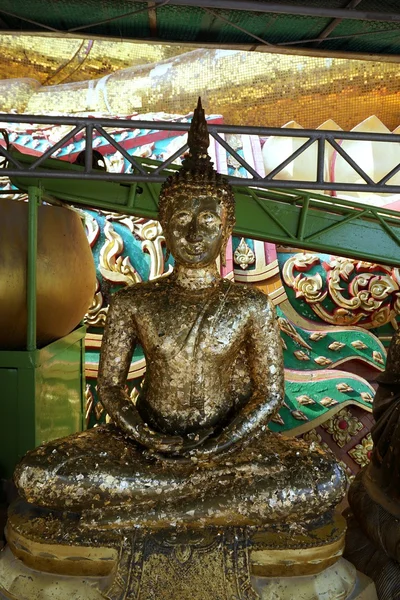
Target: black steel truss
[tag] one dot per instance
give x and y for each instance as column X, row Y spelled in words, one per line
column 12, row 167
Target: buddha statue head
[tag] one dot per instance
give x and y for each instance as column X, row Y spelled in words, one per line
column 196, row 207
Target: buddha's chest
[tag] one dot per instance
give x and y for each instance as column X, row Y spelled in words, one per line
column 193, row 329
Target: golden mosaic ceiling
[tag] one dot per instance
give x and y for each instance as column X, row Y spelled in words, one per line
column 61, row 60
column 248, row 88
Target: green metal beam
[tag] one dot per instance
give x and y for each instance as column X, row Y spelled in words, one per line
column 292, row 218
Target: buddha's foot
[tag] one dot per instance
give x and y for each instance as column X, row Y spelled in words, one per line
column 170, row 564
column 373, row 538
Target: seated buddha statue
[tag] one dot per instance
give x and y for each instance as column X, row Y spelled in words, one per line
column 194, row 449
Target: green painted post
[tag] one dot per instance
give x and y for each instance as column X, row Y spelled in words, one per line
column 34, row 197
column 132, row 195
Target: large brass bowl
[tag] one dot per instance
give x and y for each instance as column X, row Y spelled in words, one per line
column 65, row 273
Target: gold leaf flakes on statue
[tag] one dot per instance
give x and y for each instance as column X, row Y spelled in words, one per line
column 299, row 415
column 361, row 453
column 244, row 255
column 342, row 427
column 112, row 266
column 317, row 335
column 377, row 356
column 348, row 472
column 359, row 345
column 300, row 355
column 327, row 401
column 323, row 361
column 336, row 346
column 286, row 327
column 367, row 397
column 305, row 400
column 343, row 388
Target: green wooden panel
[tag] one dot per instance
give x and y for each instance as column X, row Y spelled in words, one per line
column 8, row 420
column 58, row 392
column 42, row 396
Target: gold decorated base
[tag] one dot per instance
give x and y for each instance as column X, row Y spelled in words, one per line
column 140, row 564
column 18, row 582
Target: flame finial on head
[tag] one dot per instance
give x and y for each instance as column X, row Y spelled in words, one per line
column 198, row 142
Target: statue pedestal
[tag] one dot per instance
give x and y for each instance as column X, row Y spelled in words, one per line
column 341, row 580
column 338, row 581
column 54, row 557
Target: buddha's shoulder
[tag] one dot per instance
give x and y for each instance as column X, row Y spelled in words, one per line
column 249, row 296
column 140, row 291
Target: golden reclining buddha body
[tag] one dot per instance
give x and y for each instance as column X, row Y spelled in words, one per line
column 195, row 448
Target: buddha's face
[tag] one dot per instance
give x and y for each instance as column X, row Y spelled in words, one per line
column 196, row 230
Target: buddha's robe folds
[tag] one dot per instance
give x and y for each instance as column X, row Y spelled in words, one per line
column 274, row 479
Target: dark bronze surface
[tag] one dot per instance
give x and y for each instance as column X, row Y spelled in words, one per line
column 373, row 539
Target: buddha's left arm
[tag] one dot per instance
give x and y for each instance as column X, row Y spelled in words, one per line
column 265, row 360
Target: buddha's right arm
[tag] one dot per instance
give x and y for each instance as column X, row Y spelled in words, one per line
column 119, row 341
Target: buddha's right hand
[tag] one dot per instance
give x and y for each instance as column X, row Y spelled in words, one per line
column 190, row 443
column 130, row 421
column 126, row 416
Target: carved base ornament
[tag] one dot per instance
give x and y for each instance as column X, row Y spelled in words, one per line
column 186, row 564
column 186, row 495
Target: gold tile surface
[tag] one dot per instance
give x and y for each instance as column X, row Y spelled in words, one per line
column 248, row 88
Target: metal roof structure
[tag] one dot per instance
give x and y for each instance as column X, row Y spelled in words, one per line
column 263, row 210
column 352, row 28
